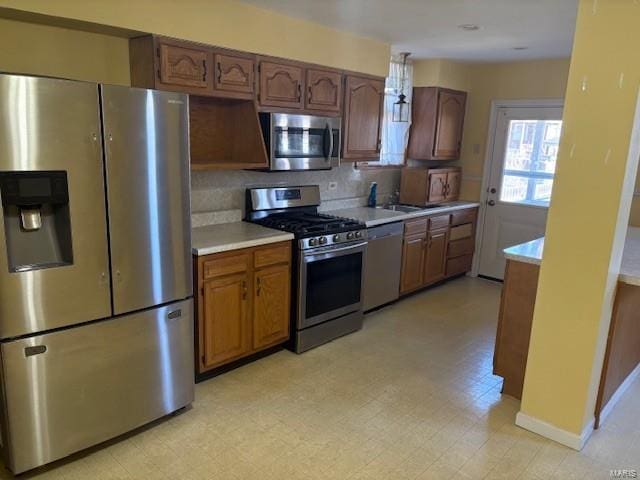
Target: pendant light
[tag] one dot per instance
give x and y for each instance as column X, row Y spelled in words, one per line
column 401, row 106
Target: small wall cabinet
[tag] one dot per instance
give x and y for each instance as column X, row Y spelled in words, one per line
column 324, row 90
column 169, row 64
column 281, row 85
column 362, row 125
column 436, row 123
column 242, row 304
column 422, row 186
column 437, row 247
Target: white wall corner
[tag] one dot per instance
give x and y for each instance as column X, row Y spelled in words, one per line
column 569, row 439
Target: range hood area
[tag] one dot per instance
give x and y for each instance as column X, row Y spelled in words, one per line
column 225, row 133
column 230, row 133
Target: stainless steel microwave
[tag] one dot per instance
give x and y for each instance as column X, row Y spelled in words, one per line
column 301, row 142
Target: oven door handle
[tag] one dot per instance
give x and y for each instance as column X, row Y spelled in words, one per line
column 315, row 252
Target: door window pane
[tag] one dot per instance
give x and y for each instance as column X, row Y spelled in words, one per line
column 530, row 161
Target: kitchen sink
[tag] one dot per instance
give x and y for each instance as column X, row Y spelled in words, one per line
column 407, row 208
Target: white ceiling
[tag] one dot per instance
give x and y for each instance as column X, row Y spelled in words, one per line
column 428, row 28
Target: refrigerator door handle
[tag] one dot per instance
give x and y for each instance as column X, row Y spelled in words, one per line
column 37, row 350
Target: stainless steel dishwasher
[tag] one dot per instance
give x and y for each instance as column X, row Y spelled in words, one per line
column 382, row 265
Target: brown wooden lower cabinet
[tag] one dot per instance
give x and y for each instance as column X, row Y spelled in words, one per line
column 412, row 263
column 435, row 256
column 271, row 305
column 437, row 247
column 242, row 303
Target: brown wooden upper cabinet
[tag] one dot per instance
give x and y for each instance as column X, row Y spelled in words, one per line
column 281, row 85
column 234, row 74
column 362, row 128
column 324, row 90
column 184, row 67
column 169, row 64
column 436, row 123
column 422, row 186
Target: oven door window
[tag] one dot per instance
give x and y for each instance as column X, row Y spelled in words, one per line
column 333, row 283
column 293, row 142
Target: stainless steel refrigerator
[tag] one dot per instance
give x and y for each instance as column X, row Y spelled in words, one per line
column 96, row 329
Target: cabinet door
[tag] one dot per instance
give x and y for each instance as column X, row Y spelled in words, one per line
column 363, row 103
column 271, row 306
column 226, row 326
column 412, row 263
column 450, row 119
column 324, row 90
column 187, row 67
column 453, row 185
column 435, row 256
column 281, row 85
column 437, row 187
column 234, row 74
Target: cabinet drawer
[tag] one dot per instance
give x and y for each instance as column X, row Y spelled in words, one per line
column 460, row 247
column 415, row 227
column 441, row 221
column 461, row 231
column 272, row 255
column 463, row 216
column 458, row 265
column 218, row 267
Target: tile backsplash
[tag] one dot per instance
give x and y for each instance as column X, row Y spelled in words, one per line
column 219, row 196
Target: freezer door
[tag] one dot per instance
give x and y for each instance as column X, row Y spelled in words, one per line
column 147, row 163
column 51, row 127
column 71, row 389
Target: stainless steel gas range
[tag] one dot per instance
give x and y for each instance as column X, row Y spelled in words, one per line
column 329, row 259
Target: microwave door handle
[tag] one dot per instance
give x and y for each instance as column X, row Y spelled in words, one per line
column 328, row 139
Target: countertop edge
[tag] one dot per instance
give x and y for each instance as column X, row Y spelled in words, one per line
column 256, row 242
column 522, row 259
column 425, row 213
column 402, row 216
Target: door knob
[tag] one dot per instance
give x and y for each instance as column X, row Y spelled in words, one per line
column 491, row 203
column 493, row 190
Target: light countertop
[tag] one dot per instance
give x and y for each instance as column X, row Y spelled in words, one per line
column 233, row 236
column 378, row 216
column 531, row 252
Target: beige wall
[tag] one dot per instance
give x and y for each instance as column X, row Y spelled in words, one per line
column 503, row 81
column 59, row 52
column 226, row 23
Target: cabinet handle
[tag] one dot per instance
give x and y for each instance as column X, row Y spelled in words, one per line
column 204, row 70
column 244, row 290
column 309, row 91
column 299, row 92
column 219, row 67
column 259, row 287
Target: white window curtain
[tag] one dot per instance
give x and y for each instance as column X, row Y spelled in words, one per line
column 395, row 135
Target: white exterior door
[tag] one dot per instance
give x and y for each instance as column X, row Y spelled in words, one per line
column 523, row 163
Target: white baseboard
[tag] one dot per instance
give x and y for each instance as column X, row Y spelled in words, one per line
column 570, row 439
column 615, row 398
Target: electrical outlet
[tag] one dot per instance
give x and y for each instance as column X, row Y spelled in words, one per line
column 333, row 185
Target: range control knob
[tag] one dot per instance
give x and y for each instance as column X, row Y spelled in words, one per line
column 336, row 237
column 313, row 242
column 350, row 236
column 322, row 240
column 358, row 234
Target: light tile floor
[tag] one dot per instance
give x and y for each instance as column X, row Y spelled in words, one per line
column 411, row 396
